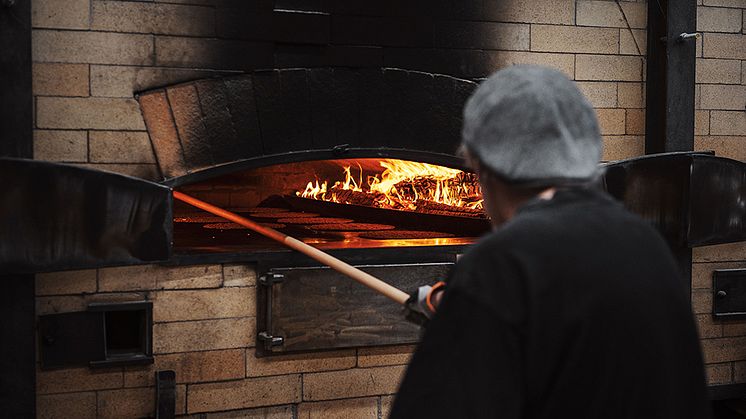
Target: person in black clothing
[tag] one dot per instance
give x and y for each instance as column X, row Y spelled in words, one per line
column 572, row 307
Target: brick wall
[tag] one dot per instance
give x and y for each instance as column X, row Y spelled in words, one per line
column 720, row 122
column 204, row 329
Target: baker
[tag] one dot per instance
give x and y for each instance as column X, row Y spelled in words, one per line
column 572, row 307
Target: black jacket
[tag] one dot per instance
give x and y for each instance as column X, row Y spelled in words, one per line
column 572, row 309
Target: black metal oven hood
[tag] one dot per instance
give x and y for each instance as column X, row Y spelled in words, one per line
column 56, row 217
column 59, row 217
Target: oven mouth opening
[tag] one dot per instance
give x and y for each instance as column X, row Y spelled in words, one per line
column 350, row 203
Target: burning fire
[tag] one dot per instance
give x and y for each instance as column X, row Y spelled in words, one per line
column 404, row 185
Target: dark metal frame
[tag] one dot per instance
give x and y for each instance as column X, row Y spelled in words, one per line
column 143, row 357
column 17, row 303
column 669, row 115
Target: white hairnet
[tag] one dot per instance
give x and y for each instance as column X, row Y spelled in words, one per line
column 531, row 125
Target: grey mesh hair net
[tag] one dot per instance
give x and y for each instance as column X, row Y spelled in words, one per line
column 531, row 125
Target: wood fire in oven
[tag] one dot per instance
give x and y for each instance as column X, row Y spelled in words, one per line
column 339, row 203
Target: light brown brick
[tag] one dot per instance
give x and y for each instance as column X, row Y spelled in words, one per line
column 359, row 382
column 482, row 35
column 216, row 303
column 723, row 97
column 607, row 14
column 387, row 355
column 92, row 113
column 701, row 123
column 734, row 328
column 159, row 277
column 718, row 71
column 635, row 122
column 546, row 38
column 58, row 79
column 60, row 14
column 608, row 68
column 720, row 45
column 128, row 278
column 251, row 392
column 619, row 147
column 126, row 403
column 702, row 272
column 631, row 95
column 120, row 147
column 633, row 42
column 562, row 62
column 725, row 3
column 91, row 47
column 139, row 170
column 203, row 335
column 239, row 275
column 138, row 17
column 289, row 364
column 274, row 412
column 702, row 301
column 728, row 123
column 61, row 146
column 68, row 282
column 77, row 379
column 124, row 81
column 186, row 277
column 531, row 11
column 716, row 19
column 191, row 367
column 386, row 403
column 724, row 349
column 719, row 252
column 739, row 372
column 65, row 304
column 600, row 94
column 723, row 146
column 340, row 409
column 612, row 121
column 72, row 405
column 719, row 373
column 707, row 327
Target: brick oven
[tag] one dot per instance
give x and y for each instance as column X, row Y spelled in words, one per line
column 173, row 94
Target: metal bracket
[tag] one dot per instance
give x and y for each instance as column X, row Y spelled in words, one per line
column 271, row 278
column 270, row 341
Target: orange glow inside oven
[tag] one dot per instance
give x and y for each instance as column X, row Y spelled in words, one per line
column 346, row 203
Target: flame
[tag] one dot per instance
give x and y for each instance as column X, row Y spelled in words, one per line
column 402, row 185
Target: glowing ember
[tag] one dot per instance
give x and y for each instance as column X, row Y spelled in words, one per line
column 404, row 185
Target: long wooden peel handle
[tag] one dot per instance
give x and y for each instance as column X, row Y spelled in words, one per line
column 362, row 277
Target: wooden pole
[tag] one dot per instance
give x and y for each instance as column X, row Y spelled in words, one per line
column 362, row 277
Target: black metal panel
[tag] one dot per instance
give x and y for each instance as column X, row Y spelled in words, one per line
column 729, row 293
column 55, row 217
column 718, row 201
column 71, row 339
column 165, row 396
column 99, row 337
column 16, row 98
column 670, row 76
column 308, row 309
column 18, row 347
column 694, row 199
column 657, row 189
